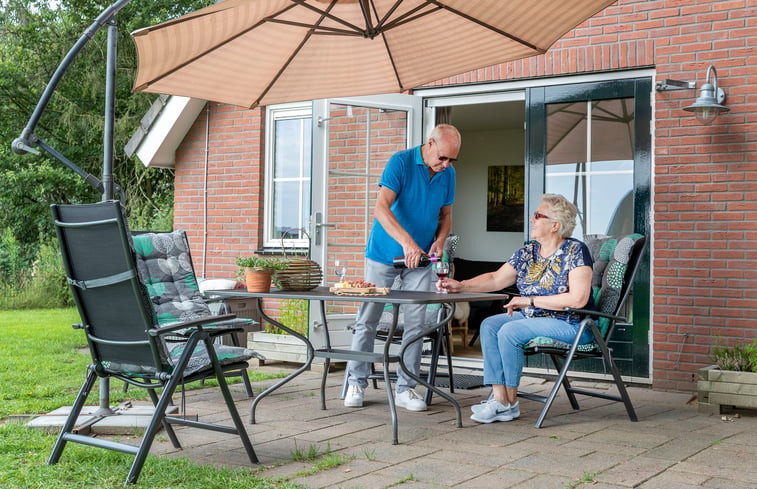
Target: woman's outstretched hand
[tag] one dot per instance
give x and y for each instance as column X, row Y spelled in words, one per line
column 449, row 285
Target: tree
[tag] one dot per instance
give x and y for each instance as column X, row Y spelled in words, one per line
column 34, row 37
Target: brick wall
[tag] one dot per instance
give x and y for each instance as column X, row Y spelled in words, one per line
column 705, row 195
column 234, row 152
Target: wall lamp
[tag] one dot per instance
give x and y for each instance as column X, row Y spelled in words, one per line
column 709, row 104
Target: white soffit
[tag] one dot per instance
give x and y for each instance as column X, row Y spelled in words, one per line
column 160, row 133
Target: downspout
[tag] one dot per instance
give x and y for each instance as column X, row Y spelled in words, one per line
column 368, row 221
column 205, row 192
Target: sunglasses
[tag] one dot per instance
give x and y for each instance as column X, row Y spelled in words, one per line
column 440, row 157
column 538, row 215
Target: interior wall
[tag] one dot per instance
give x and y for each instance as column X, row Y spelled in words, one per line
column 480, row 149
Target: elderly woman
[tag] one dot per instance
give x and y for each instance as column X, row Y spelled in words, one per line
column 552, row 272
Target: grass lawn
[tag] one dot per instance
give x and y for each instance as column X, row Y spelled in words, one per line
column 42, row 368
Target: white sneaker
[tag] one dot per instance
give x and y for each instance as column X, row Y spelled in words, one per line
column 492, row 411
column 514, row 408
column 410, row 401
column 477, row 407
column 355, row 396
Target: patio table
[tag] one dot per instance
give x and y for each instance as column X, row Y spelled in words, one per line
column 395, row 298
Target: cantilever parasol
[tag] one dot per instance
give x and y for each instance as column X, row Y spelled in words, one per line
column 260, row 52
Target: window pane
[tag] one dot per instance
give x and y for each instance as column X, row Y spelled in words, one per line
column 566, row 133
column 285, row 215
column 612, row 130
column 600, row 183
column 292, row 146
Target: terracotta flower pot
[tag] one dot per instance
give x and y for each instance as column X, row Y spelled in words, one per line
column 258, row 279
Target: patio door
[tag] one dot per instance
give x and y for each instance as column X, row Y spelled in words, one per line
column 591, row 143
column 353, row 139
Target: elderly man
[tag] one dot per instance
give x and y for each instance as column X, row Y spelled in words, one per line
column 413, row 217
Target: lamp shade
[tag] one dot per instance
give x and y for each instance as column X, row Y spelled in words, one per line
column 709, row 103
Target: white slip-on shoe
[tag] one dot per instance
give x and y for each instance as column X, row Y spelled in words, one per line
column 492, row 411
column 355, row 396
column 410, row 401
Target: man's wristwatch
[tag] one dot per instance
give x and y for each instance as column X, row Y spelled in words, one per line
column 532, row 301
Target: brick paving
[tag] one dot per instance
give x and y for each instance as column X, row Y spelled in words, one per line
column 671, row 446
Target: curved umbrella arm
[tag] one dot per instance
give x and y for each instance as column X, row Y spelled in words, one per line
column 27, row 141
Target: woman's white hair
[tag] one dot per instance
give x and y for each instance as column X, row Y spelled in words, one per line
column 562, row 211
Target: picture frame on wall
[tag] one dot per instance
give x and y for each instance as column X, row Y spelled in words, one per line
column 505, row 197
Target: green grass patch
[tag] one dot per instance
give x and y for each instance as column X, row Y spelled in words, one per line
column 24, row 453
column 41, row 369
column 45, row 360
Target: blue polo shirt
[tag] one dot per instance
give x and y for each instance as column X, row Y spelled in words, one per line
column 417, row 204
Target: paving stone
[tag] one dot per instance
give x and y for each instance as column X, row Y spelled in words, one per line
column 635, row 471
column 670, row 447
column 672, row 479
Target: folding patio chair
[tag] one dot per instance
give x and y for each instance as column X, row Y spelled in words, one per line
column 437, row 341
column 124, row 337
column 616, row 262
column 165, row 267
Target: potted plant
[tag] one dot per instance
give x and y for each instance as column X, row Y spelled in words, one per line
column 258, row 271
column 732, row 381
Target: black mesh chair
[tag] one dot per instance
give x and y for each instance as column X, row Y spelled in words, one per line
column 616, row 262
column 165, row 268
column 123, row 334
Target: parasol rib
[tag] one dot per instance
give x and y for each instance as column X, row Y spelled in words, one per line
column 487, row 26
column 294, row 53
column 326, row 14
column 388, row 49
column 380, row 24
column 322, row 30
column 189, row 61
column 407, row 17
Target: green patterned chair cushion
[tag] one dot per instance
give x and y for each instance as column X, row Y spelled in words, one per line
column 165, row 268
column 611, row 255
column 198, row 361
column 432, row 312
column 546, row 342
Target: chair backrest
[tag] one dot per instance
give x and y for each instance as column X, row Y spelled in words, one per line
column 112, row 303
column 616, row 262
column 165, row 267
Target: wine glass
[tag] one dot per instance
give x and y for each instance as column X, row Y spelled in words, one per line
column 339, row 270
column 441, row 269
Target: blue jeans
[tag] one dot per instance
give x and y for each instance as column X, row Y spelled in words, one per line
column 370, row 313
column 503, row 337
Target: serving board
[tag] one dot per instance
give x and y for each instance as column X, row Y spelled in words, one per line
column 359, row 290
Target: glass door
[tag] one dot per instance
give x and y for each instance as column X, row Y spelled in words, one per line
column 591, row 143
column 352, row 141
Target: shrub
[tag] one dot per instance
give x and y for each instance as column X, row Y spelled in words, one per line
column 41, row 286
column 741, row 358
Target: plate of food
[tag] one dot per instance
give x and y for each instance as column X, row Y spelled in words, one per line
column 357, row 288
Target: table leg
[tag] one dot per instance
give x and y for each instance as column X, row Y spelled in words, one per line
column 418, row 337
column 305, row 366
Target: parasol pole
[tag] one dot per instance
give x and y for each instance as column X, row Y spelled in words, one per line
column 27, row 141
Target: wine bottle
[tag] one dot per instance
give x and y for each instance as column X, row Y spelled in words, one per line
column 399, row 261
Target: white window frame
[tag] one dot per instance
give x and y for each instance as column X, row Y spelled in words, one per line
column 273, row 114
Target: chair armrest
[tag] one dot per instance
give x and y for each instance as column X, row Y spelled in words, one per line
column 592, row 313
column 191, row 324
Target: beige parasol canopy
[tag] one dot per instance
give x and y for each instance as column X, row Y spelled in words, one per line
column 260, row 52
